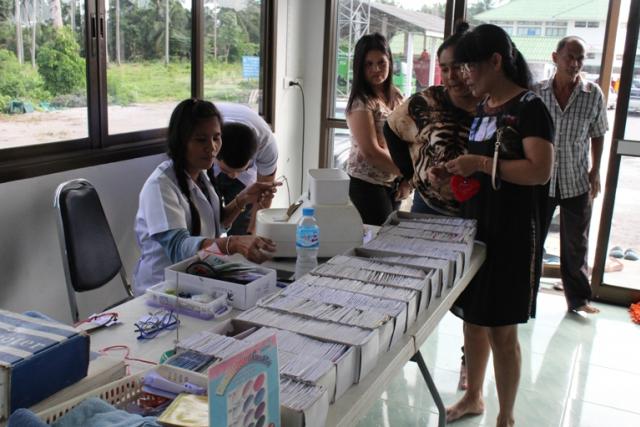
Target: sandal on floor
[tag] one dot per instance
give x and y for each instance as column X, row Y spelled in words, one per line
column 616, row 252
column 613, row 265
column 631, row 255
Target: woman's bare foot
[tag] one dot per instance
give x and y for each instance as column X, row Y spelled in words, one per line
column 462, row 380
column 589, row 309
column 505, row 421
column 468, row 405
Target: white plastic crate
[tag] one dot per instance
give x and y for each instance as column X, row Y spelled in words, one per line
column 122, row 392
column 158, row 297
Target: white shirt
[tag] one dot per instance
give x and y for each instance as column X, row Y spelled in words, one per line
column 163, row 207
column 265, row 160
column 584, row 117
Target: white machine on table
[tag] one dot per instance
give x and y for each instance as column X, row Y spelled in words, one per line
column 339, row 221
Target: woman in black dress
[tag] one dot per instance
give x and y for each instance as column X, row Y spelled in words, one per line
column 503, row 292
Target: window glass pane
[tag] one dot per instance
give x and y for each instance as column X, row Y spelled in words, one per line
column 149, row 62
column 43, row 96
column 341, row 139
column 233, row 32
column 625, row 225
column 414, row 30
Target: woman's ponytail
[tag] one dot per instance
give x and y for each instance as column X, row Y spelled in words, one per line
column 518, row 70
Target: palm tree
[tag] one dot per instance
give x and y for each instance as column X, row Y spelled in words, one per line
column 19, row 46
column 56, row 14
column 34, row 24
column 167, row 13
column 118, row 32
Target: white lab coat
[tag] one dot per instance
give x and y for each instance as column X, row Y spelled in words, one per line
column 163, row 207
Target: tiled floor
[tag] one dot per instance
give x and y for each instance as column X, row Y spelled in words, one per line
column 576, row 371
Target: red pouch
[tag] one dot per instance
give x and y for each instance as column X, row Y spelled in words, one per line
column 464, row 188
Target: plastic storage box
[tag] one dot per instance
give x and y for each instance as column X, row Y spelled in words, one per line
column 328, row 187
column 157, row 296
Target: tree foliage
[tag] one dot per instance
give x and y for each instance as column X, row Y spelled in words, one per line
column 60, row 63
column 18, row 81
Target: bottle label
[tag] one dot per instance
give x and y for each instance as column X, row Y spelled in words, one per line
column 307, row 238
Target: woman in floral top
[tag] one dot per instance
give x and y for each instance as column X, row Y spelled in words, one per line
column 376, row 187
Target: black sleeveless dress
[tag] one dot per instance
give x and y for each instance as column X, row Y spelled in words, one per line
column 504, row 290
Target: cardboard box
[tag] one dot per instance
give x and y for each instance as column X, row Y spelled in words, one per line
column 445, row 269
column 315, row 416
column 366, row 351
column 37, row 358
column 240, row 296
column 390, row 331
column 337, row 381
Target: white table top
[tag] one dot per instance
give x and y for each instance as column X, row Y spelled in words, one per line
column 354, row 403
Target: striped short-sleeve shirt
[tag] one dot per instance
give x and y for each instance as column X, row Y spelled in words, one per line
column 584, row 117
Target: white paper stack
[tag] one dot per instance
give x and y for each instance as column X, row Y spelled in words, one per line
column 351, row 335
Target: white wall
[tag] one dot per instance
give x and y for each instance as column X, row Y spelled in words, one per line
column 30, row 262
column 300, row 47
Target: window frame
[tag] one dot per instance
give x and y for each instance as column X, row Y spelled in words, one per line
column 455, row 10
column 99, row 147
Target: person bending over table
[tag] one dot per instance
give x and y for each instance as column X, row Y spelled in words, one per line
column 249, row 154
column 431, row 128
column 180, row 211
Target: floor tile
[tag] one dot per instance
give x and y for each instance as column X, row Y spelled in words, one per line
column 576, row 371
column 392, row 414
column 586, row 414
column 608, row 387
column 609, row 348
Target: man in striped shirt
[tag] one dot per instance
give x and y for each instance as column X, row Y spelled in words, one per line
column 579, row 114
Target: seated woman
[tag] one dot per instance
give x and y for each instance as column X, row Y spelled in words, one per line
column 375, row 187
column 431, row 128
column 179, row 210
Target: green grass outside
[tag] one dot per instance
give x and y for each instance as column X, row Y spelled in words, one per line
column 155, row 82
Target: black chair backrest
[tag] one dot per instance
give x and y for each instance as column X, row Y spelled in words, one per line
column 91, row 250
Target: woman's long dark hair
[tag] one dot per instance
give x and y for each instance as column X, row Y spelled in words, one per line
column 483, row 41
column 360, row 88
column 451, row 41
column 185, row 117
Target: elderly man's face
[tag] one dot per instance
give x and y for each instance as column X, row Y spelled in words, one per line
column 569, row 59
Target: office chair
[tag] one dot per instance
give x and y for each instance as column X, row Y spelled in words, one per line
column 89, row 253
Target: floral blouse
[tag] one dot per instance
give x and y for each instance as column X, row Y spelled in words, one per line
column 356, row 165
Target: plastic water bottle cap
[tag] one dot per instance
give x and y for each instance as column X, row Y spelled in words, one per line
column 308, row 211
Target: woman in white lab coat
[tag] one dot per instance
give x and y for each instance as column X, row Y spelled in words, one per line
column 179, row 210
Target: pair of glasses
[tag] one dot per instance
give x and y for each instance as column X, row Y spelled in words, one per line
column 468, row 67
column 150, row 326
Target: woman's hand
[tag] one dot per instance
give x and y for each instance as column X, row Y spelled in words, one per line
column 438, row 175
column 254, row 248
column 258, row 192
column 464, row 165
column 404, row 190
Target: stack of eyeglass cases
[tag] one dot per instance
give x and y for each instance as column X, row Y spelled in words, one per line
column 333, row 323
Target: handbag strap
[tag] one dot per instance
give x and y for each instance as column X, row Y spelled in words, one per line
column 494, row 166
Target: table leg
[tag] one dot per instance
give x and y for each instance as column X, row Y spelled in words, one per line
column 442, row 412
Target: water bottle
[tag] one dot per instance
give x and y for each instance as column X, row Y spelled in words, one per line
column 307, row 243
